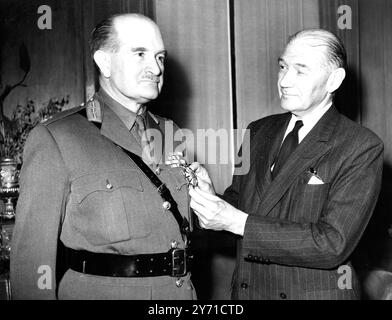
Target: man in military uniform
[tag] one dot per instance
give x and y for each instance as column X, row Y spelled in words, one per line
column 84, row 194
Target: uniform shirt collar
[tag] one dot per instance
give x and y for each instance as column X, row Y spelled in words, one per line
column 127, row 116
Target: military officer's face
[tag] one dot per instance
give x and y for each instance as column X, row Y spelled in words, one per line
column 303, row 77
column 136, row 68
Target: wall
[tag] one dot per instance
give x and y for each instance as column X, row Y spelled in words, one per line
column 197, row 89
column 366, row 97
column 197, row 95
column 261, row 30
column 60, row 61
column 56, row 54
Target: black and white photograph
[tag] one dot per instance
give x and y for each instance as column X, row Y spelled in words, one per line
column 195, row 153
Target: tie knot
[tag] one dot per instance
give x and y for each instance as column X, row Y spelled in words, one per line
column 298, row 125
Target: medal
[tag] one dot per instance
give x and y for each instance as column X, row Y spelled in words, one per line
column 189, row 175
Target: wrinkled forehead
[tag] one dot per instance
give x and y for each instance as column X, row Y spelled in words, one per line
column 306, row 49
column 138, row 32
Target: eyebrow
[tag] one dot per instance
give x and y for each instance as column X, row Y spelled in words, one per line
column 143, row 49
column 301, row 65
column 138, row 49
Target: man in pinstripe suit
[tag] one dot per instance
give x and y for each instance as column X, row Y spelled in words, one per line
column 300, row 216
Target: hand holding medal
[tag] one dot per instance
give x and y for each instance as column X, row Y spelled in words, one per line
column 195, row 174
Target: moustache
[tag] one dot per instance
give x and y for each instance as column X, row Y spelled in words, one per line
column 150, row 77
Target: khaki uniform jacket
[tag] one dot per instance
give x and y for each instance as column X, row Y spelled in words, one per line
column 77, row 187
column 299, row 236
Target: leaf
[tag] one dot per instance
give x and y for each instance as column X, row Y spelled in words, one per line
column 24, row 58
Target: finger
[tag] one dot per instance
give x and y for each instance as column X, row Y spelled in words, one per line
column 175, row 160
column 197, row 206
column 195, row 166
column 173, row 165
column 210, row 205
column 196, row 196
column 176, row 153
column 172, row 161
column 206, row 195
column 202, row 223
column 202, row 184
column 202, row 220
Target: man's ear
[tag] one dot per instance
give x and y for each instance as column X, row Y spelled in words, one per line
column 102, row 59
column 335, row 79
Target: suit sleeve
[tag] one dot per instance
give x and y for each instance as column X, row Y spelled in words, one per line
column 328, row 242
column 43, row 185
column 231, row 194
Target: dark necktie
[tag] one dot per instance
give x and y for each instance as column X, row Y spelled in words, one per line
column 144, row 142
column 288, row 146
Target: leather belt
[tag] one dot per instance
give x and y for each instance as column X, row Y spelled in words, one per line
column 175, row 263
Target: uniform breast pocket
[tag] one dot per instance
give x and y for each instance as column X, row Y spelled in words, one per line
column 307, row 201
column 111, row 206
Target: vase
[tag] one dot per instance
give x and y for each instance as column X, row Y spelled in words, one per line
column 9, row 186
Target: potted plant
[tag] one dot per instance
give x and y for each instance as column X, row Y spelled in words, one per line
column 14, row 132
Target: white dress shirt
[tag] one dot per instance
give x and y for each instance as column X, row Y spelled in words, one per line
column 309, row 120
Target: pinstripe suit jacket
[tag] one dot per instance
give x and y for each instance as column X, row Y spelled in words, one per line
column 297, row 234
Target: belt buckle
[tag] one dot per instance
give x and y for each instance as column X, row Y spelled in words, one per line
column 178, row 268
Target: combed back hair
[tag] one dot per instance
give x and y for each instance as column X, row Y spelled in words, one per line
column 335, row 52
column 104, row 36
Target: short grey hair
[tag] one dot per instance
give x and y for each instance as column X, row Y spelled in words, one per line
column 335, row 52
column 104, row 35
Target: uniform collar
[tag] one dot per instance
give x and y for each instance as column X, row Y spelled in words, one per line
column 127, row 116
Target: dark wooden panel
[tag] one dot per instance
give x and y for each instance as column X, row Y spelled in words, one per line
column 56, row 54
column 366, row 97
column 196, row 93
column 376, row 66
column 348, row 98
column 261, row 31
column 60, row 61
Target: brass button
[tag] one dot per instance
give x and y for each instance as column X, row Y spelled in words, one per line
column 244, row 285
column 174, row 244
column 283, row 295
column 179, row 282
column 166, row 205
column 108, row 185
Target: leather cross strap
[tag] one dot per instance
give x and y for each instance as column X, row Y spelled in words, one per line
column 163, row 191
column 161, row 187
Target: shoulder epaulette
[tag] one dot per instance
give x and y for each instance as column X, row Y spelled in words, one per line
column 92, row 112
column 63, row 114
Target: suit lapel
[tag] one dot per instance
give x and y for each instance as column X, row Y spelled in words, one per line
column 312, row 147
column 266, row 149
